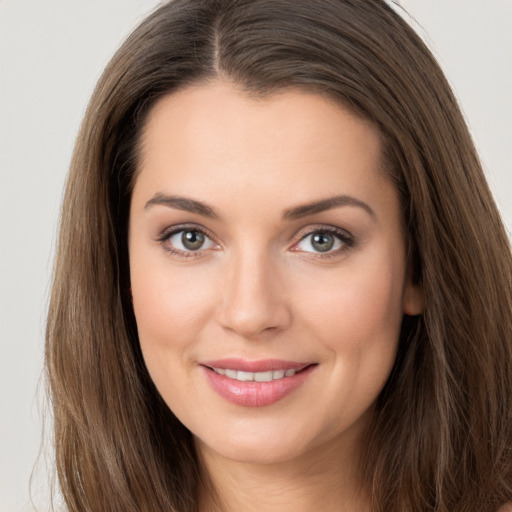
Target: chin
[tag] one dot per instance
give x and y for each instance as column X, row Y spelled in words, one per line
column 253, row 451
column 275, row 442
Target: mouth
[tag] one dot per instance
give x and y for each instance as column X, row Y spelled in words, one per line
column 267, row 376
column 256, row 383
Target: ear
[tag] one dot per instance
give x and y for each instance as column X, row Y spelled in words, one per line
column 413, row 301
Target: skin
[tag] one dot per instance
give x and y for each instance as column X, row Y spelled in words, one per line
column 258, row 288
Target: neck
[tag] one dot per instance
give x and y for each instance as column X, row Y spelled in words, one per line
column 318, row 480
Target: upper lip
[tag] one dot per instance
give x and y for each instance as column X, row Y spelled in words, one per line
column 263, row 365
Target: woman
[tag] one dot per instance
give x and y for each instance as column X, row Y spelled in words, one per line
column 281, row 281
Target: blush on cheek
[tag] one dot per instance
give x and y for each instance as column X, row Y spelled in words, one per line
column 362, row 305
column 171, row 309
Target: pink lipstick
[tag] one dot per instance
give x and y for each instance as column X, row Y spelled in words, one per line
column 255, row 383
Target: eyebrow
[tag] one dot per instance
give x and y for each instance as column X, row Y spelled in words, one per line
column 323, row 205
column 183, row 203
column 297, row 212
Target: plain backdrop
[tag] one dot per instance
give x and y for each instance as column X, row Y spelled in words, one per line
column 51, row 54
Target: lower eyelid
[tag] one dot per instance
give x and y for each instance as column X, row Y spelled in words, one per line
column 338, row 242
column 345, row 239
column 165, row 237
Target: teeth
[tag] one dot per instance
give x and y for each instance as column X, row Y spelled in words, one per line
column 244, row 376
column 263, row 376
column 255, row 376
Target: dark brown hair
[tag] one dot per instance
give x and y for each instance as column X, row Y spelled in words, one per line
column 442, row 435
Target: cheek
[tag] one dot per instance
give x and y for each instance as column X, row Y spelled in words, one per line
column 361, row 302
column 356, row 316
column 358, row 322
column 171, row 307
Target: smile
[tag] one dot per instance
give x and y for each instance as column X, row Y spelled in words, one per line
column 255, row 376
column 256, row 383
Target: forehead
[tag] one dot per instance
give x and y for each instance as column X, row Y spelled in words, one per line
column 293, row 144
column 192, row 112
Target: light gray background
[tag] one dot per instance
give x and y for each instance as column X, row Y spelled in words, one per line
column 51, row 54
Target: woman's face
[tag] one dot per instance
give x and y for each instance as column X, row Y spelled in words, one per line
column 268, row 269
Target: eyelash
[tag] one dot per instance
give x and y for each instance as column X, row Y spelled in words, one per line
column 343, row 236
column 346, row 239
column 167, row 234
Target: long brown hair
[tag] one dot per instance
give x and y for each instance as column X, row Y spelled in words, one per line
column 442, row 434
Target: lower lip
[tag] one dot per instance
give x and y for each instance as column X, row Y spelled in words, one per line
column 256, row 394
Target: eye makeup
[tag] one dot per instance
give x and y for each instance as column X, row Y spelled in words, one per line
column 187, row 240
column 317, row 241
column 323, row 241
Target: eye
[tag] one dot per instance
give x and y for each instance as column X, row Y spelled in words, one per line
column 184, row 241
column 324, row 241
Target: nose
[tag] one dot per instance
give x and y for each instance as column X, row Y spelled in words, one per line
column 253, row 301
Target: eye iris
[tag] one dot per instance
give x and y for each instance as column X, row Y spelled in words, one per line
column 322, row 242
column 192, row 240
